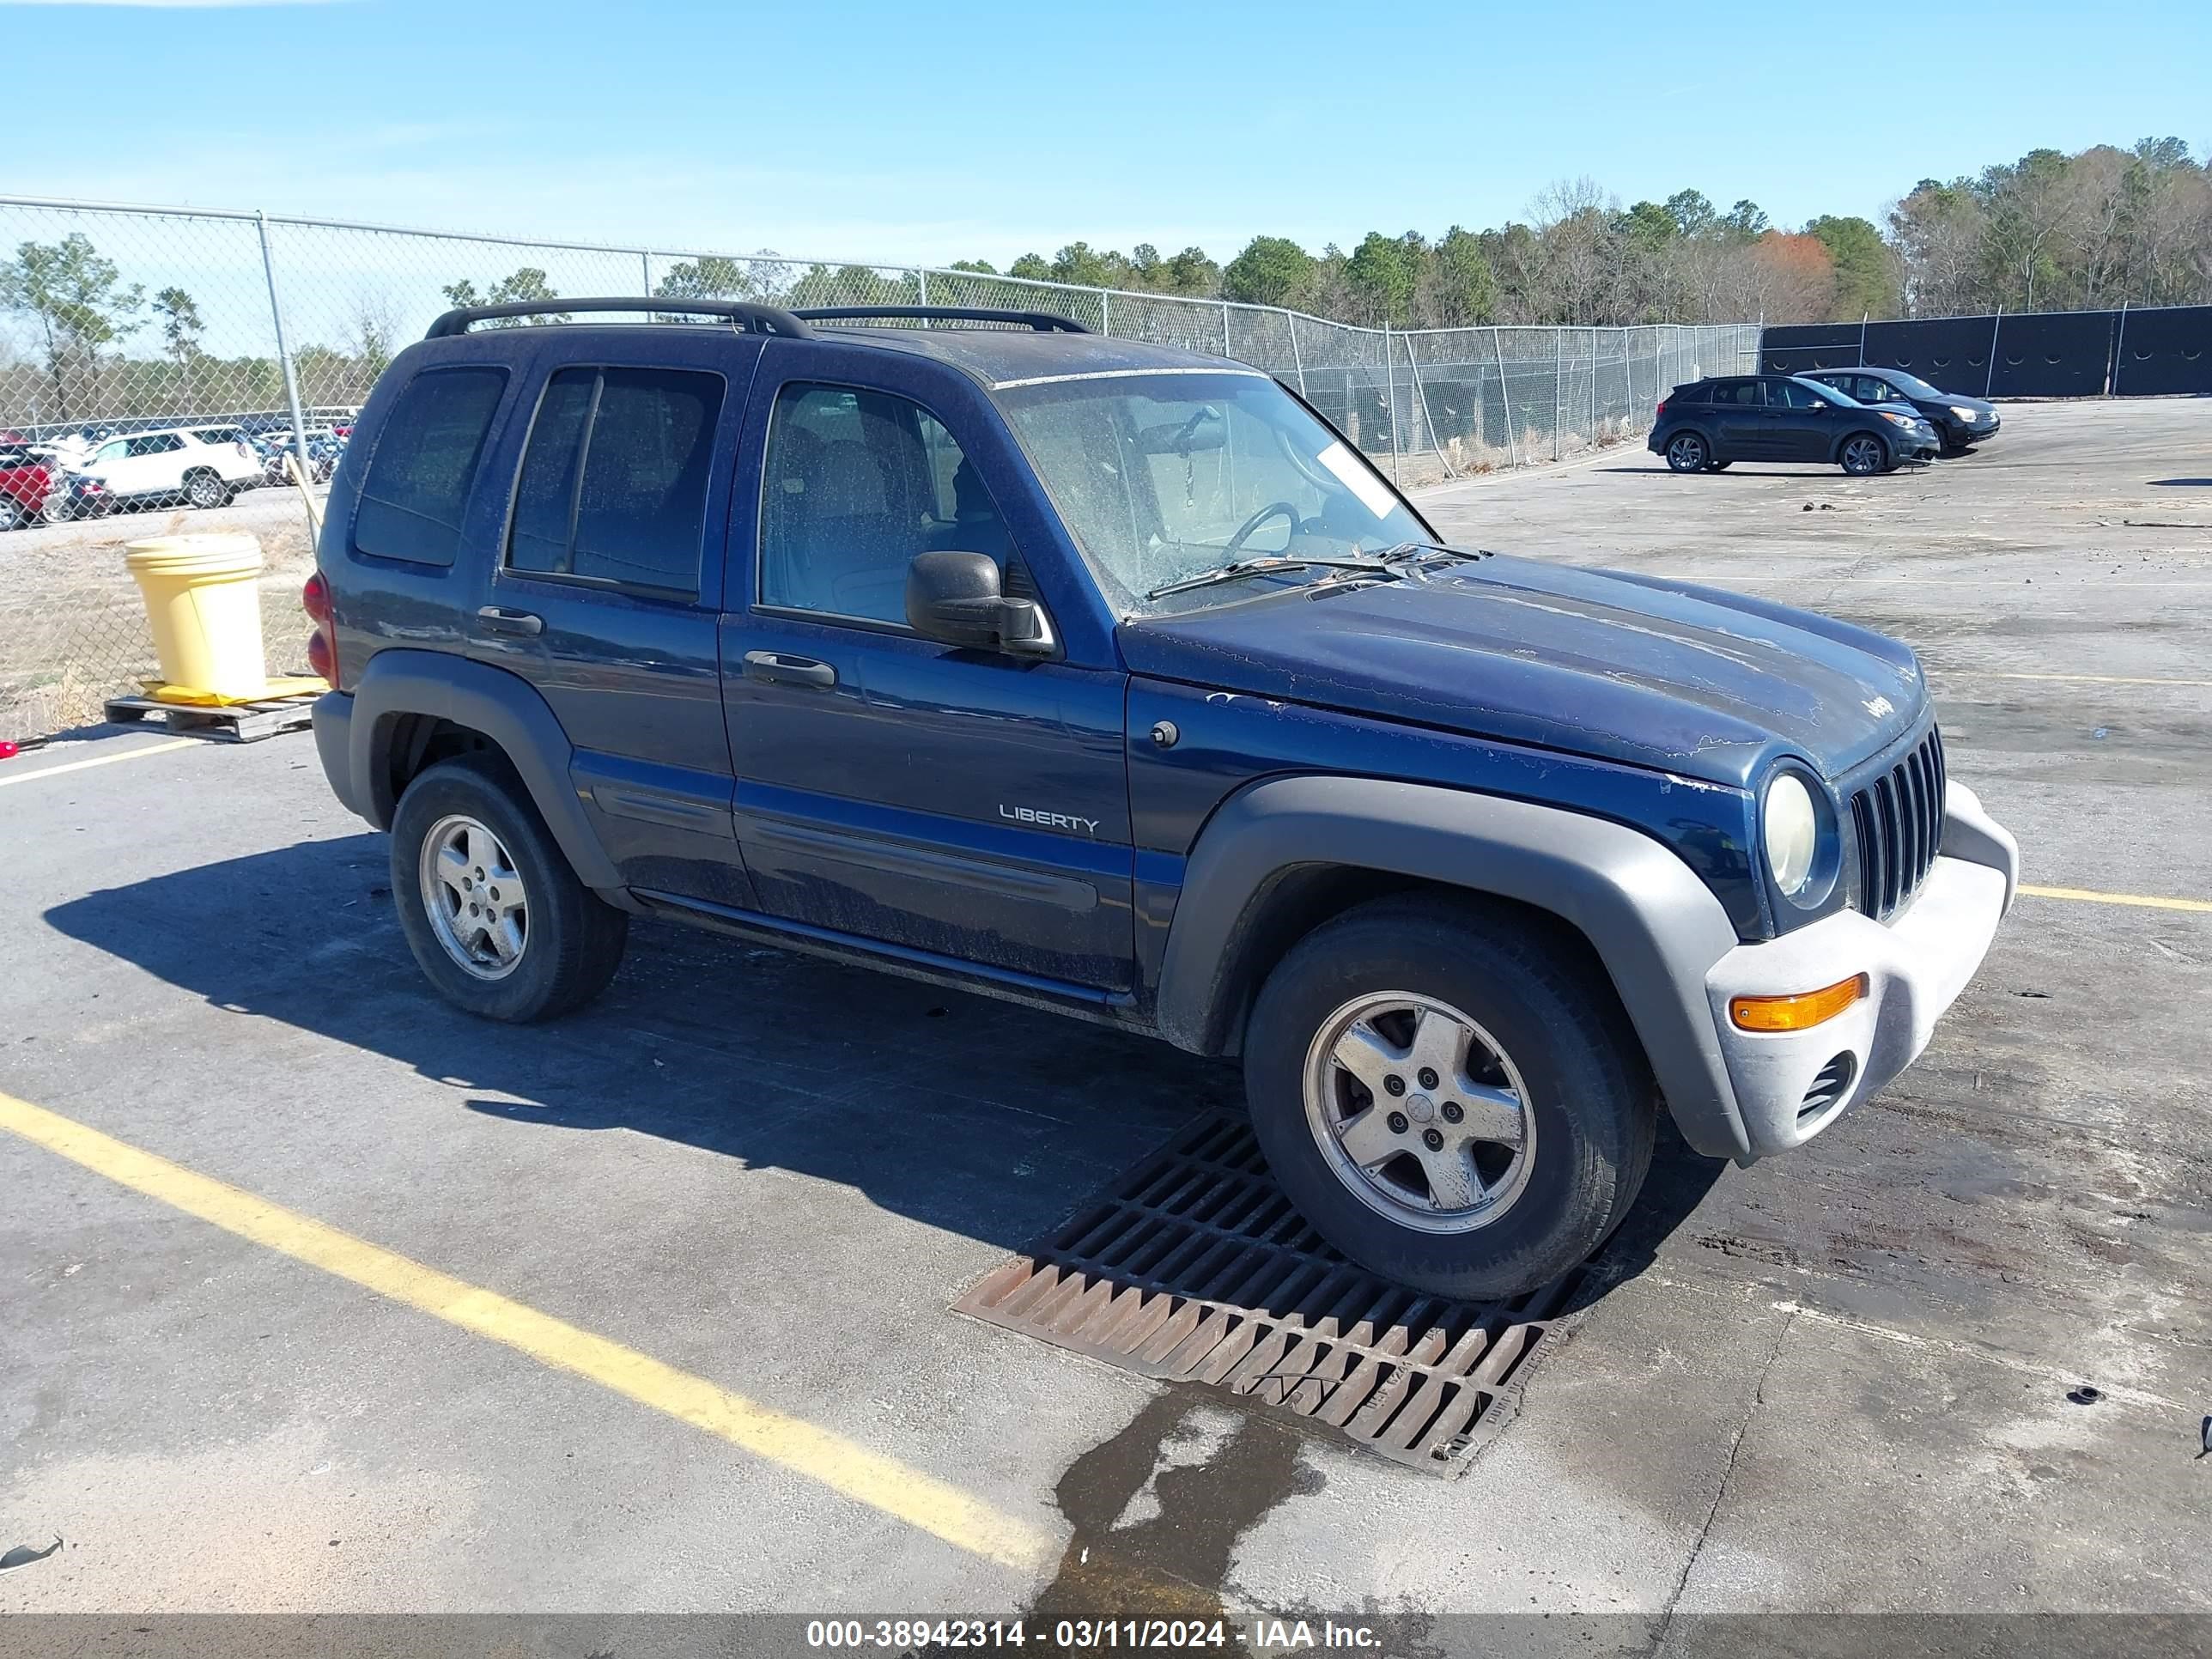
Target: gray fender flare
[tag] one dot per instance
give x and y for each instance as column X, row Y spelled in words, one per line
column 506, row 707
column 1655, row 928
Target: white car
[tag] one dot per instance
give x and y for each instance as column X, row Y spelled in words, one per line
column 205, row 466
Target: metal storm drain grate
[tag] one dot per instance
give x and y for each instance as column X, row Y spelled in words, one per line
column 1194, row 1267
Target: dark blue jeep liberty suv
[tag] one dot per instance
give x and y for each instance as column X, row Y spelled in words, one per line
column 1109, row 678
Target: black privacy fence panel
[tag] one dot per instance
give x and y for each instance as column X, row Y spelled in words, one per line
column 2039, row 353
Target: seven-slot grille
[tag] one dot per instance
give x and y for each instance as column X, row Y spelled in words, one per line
column 1898, row 818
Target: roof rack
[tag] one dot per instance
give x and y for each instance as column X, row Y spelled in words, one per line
column 750, row 318
column 1044, row 322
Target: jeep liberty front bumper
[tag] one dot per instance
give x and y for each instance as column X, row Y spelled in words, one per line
column 1789, row 1085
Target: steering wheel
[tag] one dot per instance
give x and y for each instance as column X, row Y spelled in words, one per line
column 1273, row 510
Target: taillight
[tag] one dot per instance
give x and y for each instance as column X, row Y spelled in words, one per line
column 323, row 644
column 1661, row 410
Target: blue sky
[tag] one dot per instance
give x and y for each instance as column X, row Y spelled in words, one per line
column 922, row 131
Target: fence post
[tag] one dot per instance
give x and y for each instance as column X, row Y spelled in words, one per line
column 1559, row 386
column 1506, row 396
column 1390, row 403
column 1298, row 357
column 283, row 357
column 1225, row 351
column 1105, row 312
column 1428, row 419
column 921, row 283
column 2119, row 358
column 1990, row 380
column 645, row 269
column 1863, row 315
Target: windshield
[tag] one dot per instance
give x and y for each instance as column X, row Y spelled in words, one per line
column 1162, row 477
column 1911, row 385
column 1830, row 392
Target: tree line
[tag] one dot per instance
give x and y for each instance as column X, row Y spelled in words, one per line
column 2050, row 231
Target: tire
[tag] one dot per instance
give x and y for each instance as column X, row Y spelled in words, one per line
column 1862, row 454
column 1687, row 452
column 1718, row 466
column 565, row 945
column 1544, row 1030
column 204, row 489
column 12, row 515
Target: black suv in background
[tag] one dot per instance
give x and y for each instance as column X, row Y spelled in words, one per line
column 1959, row 420
column 1706, row 426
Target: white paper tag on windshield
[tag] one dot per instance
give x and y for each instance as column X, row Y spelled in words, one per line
column 1352, row 472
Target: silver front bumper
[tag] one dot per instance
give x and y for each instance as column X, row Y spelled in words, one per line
column 1916, row 964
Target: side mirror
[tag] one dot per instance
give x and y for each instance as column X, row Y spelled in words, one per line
column 955, row 599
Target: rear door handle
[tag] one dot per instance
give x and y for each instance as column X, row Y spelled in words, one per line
column 779, row 669
column 497, row 620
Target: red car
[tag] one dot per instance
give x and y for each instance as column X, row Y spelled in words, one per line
column 24, row 482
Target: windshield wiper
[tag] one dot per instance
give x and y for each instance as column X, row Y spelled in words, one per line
column 1260, row 567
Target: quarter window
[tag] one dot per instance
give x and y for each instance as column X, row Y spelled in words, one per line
column 425, row 461
column 856, row 484
column 614, row 485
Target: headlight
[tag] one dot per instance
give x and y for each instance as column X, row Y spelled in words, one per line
column 1966, row 415
column 1791, row 830
column 1907, row 420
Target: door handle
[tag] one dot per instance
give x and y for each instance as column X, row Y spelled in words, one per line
column 779, row 669
column 496, row 620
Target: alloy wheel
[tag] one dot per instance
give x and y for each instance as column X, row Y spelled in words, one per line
column 474, row 896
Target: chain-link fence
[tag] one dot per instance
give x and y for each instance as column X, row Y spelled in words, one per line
column 178, row 357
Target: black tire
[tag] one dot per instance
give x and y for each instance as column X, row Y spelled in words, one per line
column 1688, row 451
column 1862, row 454
column 575, row 939
column 204, row 490
column 1587, row 1087
column 1718, row 466
column 12, row 513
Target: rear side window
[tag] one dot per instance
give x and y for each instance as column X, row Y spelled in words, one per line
column 1699, row 393
column 1741, row 392
column 425, row 461
column 614, row 484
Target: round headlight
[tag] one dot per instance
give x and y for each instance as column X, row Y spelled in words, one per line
column 1792, row 833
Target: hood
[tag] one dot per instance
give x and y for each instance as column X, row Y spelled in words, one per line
column 1691, row 680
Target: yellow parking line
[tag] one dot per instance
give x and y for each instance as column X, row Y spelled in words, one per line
column 2067, row 679
column 883, row 1483
column 102, row 760
column 2088, row 897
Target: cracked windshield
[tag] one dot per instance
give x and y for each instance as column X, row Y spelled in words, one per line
column 1165, row 479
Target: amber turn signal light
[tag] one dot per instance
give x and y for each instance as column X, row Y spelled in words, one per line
column 1800, row 1013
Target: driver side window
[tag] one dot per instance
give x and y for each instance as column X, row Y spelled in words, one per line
column 857, row 482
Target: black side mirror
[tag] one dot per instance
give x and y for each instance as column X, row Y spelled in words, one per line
column 955, row 599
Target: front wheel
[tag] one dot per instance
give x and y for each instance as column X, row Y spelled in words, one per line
column 1687, row 453
column 495, row 915
column 1864, row 455
column 204, row 490
column 14, row 515
column 1448, row 1100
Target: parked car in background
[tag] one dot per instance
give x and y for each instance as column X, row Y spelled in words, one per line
column 1959, row 420
column 1710, row 424
column 25, row 483
column 176, row 463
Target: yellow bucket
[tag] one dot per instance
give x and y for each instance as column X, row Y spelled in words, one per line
column 203, row 598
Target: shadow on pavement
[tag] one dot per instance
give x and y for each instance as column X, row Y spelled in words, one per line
column 978, row 1117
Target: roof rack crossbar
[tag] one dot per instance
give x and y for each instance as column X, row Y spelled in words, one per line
column 749, row 317
column 1044, row 322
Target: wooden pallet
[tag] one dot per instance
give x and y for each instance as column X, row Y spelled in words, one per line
column 245, row 722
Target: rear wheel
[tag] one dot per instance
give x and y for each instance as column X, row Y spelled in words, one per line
column 1687, row 452
column 13, row 513
column 493, row 914
column 204, row 490
column 1864, row 454
column 1448, row 1101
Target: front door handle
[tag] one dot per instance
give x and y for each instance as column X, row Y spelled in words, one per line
column 498, row 620
column 779, row 669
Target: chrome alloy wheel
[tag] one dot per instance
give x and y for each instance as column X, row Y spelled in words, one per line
column 474, row 897
column 1420, row 1112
